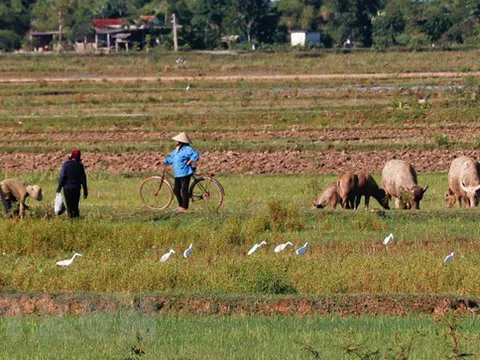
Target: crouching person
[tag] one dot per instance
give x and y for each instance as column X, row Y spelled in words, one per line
column 14, row 191
column 72, row 179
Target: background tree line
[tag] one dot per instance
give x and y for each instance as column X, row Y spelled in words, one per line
column 378, row 23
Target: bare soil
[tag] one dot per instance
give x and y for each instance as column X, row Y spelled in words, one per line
column 340, row 305
column 284, row 162
column 407, row 133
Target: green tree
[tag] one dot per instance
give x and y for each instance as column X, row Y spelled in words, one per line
column 14, row 22
column 300, row 14
column 437, row 22
column 245, row 17
column 353, row 20
column 389, row 23
column 206, row 23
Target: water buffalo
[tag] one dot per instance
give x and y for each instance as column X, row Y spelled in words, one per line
column 329, row 196
column 367, row 187
column 347, row 185
column 400, row 181
column 464, row 181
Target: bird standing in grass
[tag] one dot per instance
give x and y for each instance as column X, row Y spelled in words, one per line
column 188, row 252
column 64, row 263
column 282, row 247
column 256, row 247
column 388, row 239
column 449, row 258
column 303, row 249
column 167, row 255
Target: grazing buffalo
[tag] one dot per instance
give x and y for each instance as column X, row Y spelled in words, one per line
column 464, row 182
column 347, row 185
column 400, row 181
column 328, row 197
column 367, row 187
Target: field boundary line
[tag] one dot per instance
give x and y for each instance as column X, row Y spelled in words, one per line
column 100, row 78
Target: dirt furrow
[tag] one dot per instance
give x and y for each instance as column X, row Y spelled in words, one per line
column 454, row 131
column 51, row 77
column 339, row 305
column 291, row 162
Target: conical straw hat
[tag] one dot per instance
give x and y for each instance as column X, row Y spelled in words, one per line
column 35, row 192
column 183, row 138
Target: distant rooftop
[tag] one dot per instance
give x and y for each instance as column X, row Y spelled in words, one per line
column 104, row 24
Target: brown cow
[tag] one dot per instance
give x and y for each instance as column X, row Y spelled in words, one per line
column 464, row 181
column 367, row 187
column 400, row 181
column 329, row 196
column 347, row 185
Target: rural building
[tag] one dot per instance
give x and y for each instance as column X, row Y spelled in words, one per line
column 44, row 40
column 106, row 31
column 301, row 38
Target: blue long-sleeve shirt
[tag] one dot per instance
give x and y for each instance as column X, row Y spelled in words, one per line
column 72, row 176
column 179, row 159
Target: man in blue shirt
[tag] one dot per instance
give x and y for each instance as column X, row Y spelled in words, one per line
column 183, row 159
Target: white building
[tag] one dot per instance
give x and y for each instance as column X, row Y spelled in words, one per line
column 300, row 38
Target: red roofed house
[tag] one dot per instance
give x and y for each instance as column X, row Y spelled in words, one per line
column 106, row 28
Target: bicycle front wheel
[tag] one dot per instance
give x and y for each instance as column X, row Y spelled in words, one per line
column 207, row 193
column 156, row 193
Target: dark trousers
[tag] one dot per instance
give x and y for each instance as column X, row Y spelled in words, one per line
column 181, row 190
column 72, row 198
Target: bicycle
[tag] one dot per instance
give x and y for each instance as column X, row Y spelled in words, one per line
column 205, row 192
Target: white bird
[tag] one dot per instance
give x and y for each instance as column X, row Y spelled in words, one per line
column 388, row 239
column 303, row 249
column 256, row 247
column 449, row 258
column 167, row 255
column 187, row 88
column 20, row 122
column 282, row 247
column 68, row 262
column 188, row 252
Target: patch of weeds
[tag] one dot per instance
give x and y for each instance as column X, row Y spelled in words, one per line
column 232, row 232
column 284, row 217
column 255, row 226
column 137, row 350
column 274, row 283
column 368, row 221
column 245, row 97
column 451, row 331
column 309, row 349
column 441, row 139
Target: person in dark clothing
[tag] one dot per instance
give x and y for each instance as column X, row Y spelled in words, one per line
column 72, row 179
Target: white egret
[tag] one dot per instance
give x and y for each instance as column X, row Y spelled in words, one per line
column 282, row 247
column 449, row 258
column 188, row 252
column 388, row 239
column 167, row 255
column 303, row 249
column 256, row 247
column 187, row 87
column 68, row 262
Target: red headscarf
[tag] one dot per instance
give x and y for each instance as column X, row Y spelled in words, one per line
column 76, row 154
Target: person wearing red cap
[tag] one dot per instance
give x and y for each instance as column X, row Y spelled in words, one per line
column 72, row 179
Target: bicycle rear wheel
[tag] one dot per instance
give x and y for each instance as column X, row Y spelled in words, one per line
column 156, row 193
column 206, row 193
